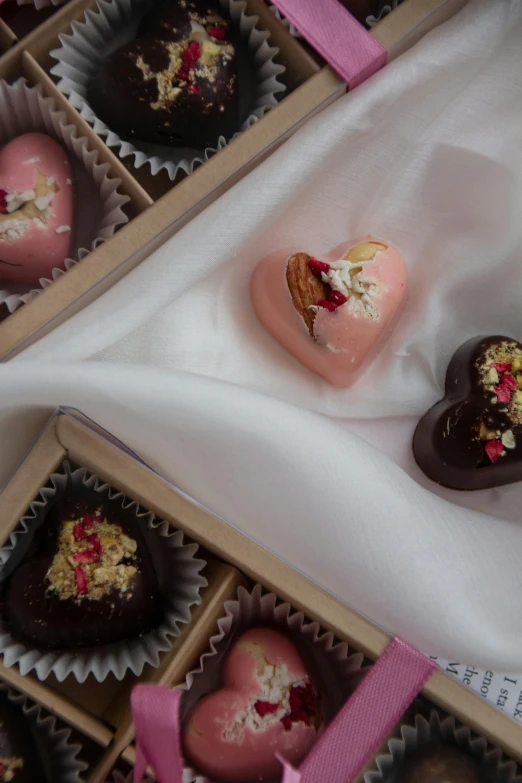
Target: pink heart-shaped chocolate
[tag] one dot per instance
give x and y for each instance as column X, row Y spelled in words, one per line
column 332, row 313
column 267, row 706
column 36, row 208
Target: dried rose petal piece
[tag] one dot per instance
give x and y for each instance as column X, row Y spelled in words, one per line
column 82, row 583
column 87, row 556
column 337, row 297
column 265, row 708
column 503, row 393
column 286, row 720
column 79, row 532
column 218, row 32
column 509, row 381
column 318, row 266
column 331, row 306
column 89, row 520
column 494, row 449
column 95, row 541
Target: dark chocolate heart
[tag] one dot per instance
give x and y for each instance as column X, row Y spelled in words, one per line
column 87, row 579
column 472, row 439
column 176, row 84
column 20, row 760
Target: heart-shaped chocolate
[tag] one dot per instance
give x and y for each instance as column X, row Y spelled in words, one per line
column 20, row 760
column 268, row 706
column 334, row 313
column 472, row 439
column 87, row 579
column 176, row 84
column 36, row 208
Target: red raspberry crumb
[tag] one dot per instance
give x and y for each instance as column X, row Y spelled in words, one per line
column 3, row 770
column 218, row 32
column 265, row 708
column 503, row 392
column 302, row 703
column 501, row 366
column 337, row 297
column 89, row 520
column 509, row 381
column 82, row 583
column 193, row 88
column 193, row 52
column 95, row 541
column 79, row 532
column 87, row 556
column 318, row 266
column 494, row 449
column 183, row 75
column 330, row 306
column 286, row 720
column 3, row 202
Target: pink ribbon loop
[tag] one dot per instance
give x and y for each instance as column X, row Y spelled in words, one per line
column 340, row 753
column 290, row 775
column 333, row 32
column 368, row 716
column 156, row 721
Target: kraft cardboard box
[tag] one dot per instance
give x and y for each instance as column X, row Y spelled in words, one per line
column 100, row 712
column 158, row 207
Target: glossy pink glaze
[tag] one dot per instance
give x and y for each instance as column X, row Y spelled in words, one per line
column 356, row 337
column 35, row 254
column 253, row 758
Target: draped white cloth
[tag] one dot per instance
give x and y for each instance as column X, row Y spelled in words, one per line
column 428, row 154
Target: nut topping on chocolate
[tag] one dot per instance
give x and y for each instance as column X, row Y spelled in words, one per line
column 472, row 439
column 93, row 559
column 315, row 284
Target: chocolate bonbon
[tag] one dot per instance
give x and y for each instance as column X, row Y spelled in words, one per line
column 268, row 705
column 441, row 765
column 333, row 313
column 87, row 580
column 176, row 84
column 36, row 208
column 472, row 439
column 20, row 760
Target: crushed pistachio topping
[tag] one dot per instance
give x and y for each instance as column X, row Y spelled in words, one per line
column 8, row 767
column 500, row 373
column 18, row 209
column 191, row 62
column 94, row 558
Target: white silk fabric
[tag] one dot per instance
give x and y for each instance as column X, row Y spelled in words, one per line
column 426, row 154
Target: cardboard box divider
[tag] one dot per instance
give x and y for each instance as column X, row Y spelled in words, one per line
column 108, row 720
column 312, row 88
column 7, row 37
column 101, row 711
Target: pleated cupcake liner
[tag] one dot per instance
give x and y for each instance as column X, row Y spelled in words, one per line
column 337, row 669
column 177, row 570
column 115, row 23
column 437, row 731
column 59, row 755
column 25, row 109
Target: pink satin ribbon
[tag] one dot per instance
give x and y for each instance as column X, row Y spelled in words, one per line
column 338, row 756
column 337, row 36
column 156, row 722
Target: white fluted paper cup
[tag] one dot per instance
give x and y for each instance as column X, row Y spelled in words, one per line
column 25, row 109
column 115, row 23
column 58, row 754
column 336, row 668
column 435, row 731
column 176, row 567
